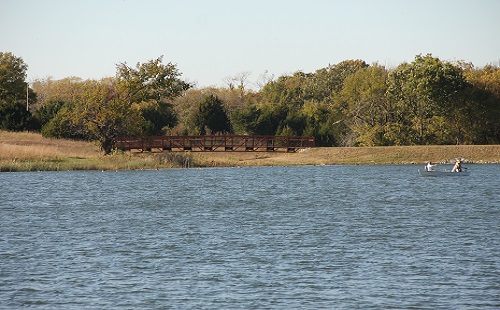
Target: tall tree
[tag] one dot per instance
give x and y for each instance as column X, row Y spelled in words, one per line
column 151, row 85
column 321, row 123
column 14, row 114
column 159, row 116
column 151, row 80
column 49, row 90
column 135, row 102
column 211, row 117
column 365, row 107
column 424, row 94
column 104, row 115
column 244, row 121
column 483, row 112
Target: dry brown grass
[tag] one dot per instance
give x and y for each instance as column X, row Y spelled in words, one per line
column 25, row 145
column 361, row 156
column 32, row 152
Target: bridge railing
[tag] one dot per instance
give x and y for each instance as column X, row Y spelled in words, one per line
column 216, row 143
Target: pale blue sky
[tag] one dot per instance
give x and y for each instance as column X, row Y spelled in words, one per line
column 211, row 40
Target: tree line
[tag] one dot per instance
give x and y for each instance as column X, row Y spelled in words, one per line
column 352, row 103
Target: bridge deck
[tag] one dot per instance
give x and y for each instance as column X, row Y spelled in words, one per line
column 216, row 143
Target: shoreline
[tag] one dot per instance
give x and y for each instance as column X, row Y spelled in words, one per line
column 20, row 152
column 384, row 155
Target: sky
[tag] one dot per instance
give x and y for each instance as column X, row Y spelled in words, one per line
column 213, row 40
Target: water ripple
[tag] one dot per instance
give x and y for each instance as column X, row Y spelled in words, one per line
column 343, row 237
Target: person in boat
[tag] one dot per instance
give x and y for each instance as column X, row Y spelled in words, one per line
column 429, row 166
column 458, row 166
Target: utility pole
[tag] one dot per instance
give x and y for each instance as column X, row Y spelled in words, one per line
column 27, row 96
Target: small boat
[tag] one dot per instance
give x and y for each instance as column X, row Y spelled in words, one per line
column 443, row 173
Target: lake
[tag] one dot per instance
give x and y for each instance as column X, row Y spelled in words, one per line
column 308, row 237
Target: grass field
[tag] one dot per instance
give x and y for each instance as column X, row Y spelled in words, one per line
column 31, row 152
column 363, row 156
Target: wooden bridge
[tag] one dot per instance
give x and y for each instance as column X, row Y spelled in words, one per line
column 216, row 143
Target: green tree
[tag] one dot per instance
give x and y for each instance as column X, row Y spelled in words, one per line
column 326, row 82
column 270, row 119
column 159, row 116
column 14, row 114
column 482, row 104
column 294, row 124
column 12, row 77
column 211, row 117
column 64, row 124
column 151, row 80
column 364, row 105
column 133, row 103
column 45, row 113
column 244, row 121
column 105, row 116
column 423, row 94
column 151, row 85
column 284, row 99
column 321, row 123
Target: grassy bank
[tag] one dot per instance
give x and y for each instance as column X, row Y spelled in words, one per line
column 363, row 156
column 32, row 152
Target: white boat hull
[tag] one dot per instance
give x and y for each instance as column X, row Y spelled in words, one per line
column 438, row 173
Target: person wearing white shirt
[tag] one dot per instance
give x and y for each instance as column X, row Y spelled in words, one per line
column 429, row 166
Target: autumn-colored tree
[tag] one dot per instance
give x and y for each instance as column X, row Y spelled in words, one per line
column 151, row 85
column 151, row 80
column 424, row 94
column 427, row 101
column 135, row 102
column 364, row 105
column 483, row 105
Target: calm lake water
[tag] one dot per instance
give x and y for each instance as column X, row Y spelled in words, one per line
column 331, row 237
